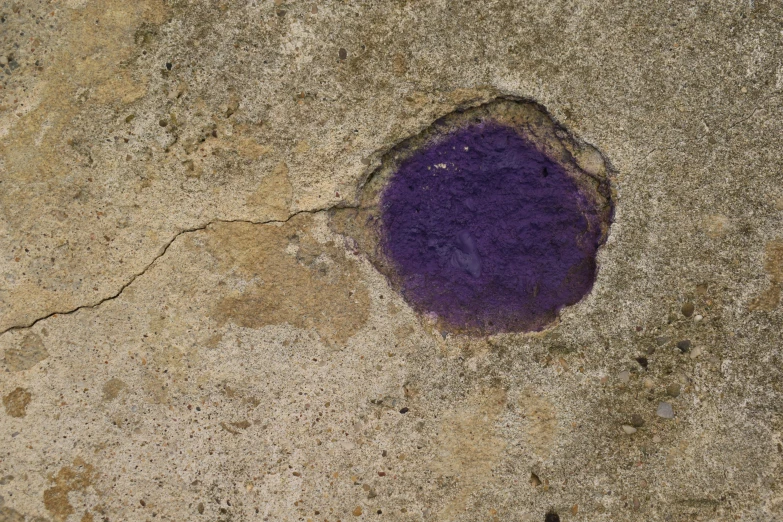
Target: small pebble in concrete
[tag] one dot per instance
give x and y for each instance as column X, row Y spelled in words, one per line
column 673, row 390
column 637, row 421
column 630, row 430
column 695, row 352
column 662, row 340
column 665, row 410
column 343, row 54
column 624, row 376
column 687, row 309
column 684, row 345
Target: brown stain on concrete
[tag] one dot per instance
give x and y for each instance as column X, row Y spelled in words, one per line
column 235, row 428
column 716, row 225
column 274, row 194
column 78, row 477
column 540, row 423
column 469, row 446
column 31, row 351
column 769, row 299
column 155, row 388
column 773, row 260
column 288, row 277
column 8, row 514
column 92, row 60
column 112, row 388
column 16, row 402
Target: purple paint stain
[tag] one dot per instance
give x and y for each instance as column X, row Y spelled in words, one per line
column 488, row 233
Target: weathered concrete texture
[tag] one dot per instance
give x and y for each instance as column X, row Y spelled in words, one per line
column 185, row 338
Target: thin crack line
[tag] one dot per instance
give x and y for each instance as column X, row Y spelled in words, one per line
column 160, row 254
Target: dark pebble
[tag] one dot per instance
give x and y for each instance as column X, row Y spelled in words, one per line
column 342, row 53
column 687, row 309
column 168, row 65
column 662, row 340
column 684, row 346
column 642, row 362
column 637, row 421
column 404, row 410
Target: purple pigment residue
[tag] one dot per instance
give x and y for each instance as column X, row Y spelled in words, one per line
column 488, row 233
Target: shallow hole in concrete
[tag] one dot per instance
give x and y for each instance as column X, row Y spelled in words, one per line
column 490, row 220
column 552, row 517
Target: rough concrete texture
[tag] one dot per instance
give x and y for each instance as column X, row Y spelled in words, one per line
column 186, row 338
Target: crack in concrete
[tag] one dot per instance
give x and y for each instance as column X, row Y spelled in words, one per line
column 160, row 254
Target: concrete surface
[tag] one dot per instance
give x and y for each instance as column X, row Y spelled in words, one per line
column 185, row 337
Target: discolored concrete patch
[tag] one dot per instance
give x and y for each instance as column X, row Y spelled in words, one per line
column 28, row 353
column 274, row 194
column 469, row 446
column 112, row 388
column 773, row 264
column 8, row 514
column 290, row 277
column 541, row 426
column 69, row 479
column 16, row 402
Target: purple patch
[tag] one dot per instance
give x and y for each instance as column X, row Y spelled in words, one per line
column 487, row 232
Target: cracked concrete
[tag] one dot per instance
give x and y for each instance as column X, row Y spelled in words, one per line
column 147, row 267
column 185, row 336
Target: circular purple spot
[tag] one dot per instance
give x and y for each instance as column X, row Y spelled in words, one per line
column 487, row 232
